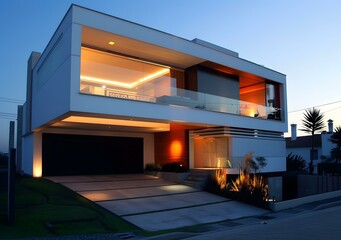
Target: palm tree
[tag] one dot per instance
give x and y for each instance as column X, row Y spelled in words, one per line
column 312, row 122
column 336, row 139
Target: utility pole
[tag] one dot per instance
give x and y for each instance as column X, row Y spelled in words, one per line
column 11, row 176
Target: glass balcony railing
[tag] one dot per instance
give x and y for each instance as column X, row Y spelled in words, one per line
column 166, row 95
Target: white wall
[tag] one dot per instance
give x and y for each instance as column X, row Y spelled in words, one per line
column 27, row 157
column 32, row 154
column 51, row 78
column 145, row 110
column 56, row 89
column 136, row 31
column 327, row 145
column 303, row 152
column 273, row 150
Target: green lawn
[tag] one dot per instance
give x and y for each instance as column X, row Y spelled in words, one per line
column 44, row 208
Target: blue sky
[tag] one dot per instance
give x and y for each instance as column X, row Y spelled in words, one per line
column 301, row 39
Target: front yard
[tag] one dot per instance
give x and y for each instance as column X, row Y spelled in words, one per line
column 44, row 208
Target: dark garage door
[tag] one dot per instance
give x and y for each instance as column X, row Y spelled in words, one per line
column 84, row 155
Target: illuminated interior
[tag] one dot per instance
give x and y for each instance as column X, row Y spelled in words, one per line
column 113, row 75
column 263, row 96
column 211, row 152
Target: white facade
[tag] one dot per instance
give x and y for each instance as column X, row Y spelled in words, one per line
column 301, row 146
column 62, row 100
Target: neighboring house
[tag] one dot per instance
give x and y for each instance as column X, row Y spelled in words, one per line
column 110, row 96
column 302, row 145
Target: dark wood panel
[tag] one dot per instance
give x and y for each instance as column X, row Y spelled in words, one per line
column 172, row 146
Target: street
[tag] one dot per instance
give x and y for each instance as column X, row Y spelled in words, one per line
column 318, row 224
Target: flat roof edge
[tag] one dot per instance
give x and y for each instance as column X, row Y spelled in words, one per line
column 196, row 42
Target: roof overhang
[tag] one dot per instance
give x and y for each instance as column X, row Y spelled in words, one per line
column 99, row 39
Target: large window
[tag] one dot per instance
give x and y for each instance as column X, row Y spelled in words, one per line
column 113, row 75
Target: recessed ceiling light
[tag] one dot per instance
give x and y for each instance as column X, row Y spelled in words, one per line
column 111, row 43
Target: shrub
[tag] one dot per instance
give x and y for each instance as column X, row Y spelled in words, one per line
column 256, row 164
column 173, row 167
column 220, row 177
column 152, row 167
column 214, row 187
column 247, row 187
column 259, row 191
column 295, row 163
column 3, row 160
column 250, row 189
column 335, row 153
column 329, row 168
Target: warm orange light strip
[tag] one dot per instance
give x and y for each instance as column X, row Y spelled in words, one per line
column 176, row 149
column 118, row 122
column 126, row 85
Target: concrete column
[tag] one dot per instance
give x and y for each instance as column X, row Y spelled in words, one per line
column 32, row 61
column 37, row 154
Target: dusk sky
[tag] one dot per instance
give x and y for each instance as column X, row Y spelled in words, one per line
column 301, row 39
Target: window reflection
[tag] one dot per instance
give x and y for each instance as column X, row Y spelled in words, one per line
column 112, row 75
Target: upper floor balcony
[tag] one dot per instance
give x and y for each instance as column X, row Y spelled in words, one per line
column 123, row 77
column 159, row 94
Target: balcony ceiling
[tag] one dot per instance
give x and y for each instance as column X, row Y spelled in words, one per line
column 96, row 122
column 131, row 47
column 110, row 124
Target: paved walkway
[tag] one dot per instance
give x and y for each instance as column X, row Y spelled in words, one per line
column 155, row 204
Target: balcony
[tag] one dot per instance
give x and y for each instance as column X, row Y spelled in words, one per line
column 117, row 76
column 159, row 94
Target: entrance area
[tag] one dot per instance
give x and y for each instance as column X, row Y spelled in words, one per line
column 65, row 154
column 211, row 152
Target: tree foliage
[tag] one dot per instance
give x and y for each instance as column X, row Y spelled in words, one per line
column 312, row 123
column 295, row 163
column 256, row 164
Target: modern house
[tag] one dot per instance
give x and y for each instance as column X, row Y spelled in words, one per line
column 301, row 145
column 109, row 96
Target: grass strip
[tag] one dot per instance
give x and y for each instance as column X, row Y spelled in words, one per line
column 45, row 209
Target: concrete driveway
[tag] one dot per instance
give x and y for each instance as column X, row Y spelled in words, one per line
column 153, row 203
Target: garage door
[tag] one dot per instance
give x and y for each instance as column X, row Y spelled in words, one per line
column 85, row 155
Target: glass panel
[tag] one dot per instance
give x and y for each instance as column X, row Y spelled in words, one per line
column 115, row 76
column 120, row 77
column 210, row 152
